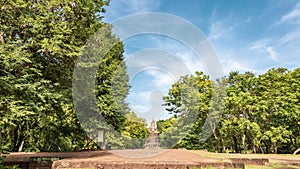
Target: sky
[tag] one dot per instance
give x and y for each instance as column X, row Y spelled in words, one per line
column 247, row 35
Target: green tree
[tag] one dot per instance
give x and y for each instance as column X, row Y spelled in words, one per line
column 39, row 44
column 163, row 125
column 262, row 112
column 238, row 109
column 278, row 108
column 190, row 100
column 101, row 71
column 135, row 131
column 112, row 87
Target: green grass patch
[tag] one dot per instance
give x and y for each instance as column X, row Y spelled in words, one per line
column 271, row 166
column 250, row 155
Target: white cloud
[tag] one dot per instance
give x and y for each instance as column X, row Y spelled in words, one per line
column 272, row 53
column 235, row 65
column 140, row 101
column 289, row 37
column 166, row 62
column 293, row 16
column 120, row 8
column 192, row 62
column 144, row 95
column 161, row 66
column 140, row 108
column 162, row 79
column 263, row 46
column 258, row 44
column 220, row 27
column 276, row 46
column 216, row 30
column 150, row 105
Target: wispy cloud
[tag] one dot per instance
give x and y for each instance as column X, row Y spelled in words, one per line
column 233, row 65
column 233, row 54
column 233, row 60
column 150, row 105
column 289, row 37
column 162, row 62
column 220, row 27
column 245, row 40
column 292, row 16
column 263, row 46
column 120, row 8
column 275, row 43
column 272, row 53
column 192, row 62
column 161, row 79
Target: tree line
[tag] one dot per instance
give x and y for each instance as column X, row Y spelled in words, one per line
column 260, row 113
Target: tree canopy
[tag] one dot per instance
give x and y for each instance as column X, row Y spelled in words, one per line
column 261, row 113
column 40, row 42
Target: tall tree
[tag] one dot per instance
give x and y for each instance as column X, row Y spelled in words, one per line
column 112, row 87
column 261, row 112
column 39, row 43
column 190, row 100
column 278, row 107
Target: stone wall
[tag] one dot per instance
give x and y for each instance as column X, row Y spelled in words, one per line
column 34, row 163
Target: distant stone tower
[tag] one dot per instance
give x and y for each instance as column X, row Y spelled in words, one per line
column 153, row 140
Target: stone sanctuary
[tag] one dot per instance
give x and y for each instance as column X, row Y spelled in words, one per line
column 153, row 139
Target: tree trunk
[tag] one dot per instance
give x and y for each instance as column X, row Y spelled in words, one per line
column 235, row 145
column 21, row 146
column 15, row 139
column 253, row 149
column 18, row 139
column 219, row 150
column 297, row 151
column 1, row 37
column 275, row 148
column 267, row 147
column 262, row 150
column 244, row 145
column 0, row 137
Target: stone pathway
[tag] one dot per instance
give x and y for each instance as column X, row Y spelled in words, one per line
column 143, row 159
column 146, row 158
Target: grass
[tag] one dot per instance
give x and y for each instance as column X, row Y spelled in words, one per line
column 276, row 160
column 271, row 166
column 207, row 167
column 236, row 155
column 273, row 158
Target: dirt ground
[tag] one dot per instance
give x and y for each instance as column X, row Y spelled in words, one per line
column 159, row 157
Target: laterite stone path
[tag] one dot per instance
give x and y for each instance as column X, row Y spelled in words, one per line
column 142, row 159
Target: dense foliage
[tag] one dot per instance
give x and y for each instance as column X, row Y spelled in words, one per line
column 189, row 99
column 135, row 132
column 261, row 113
column 40, row 42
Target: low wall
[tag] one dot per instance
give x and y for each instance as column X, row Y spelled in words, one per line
column 144, row 165
column 251, row 161
column 34, row 163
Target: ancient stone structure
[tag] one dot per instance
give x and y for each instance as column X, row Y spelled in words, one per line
column 153, row 139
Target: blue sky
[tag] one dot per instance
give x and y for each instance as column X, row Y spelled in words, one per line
column 248, row 35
